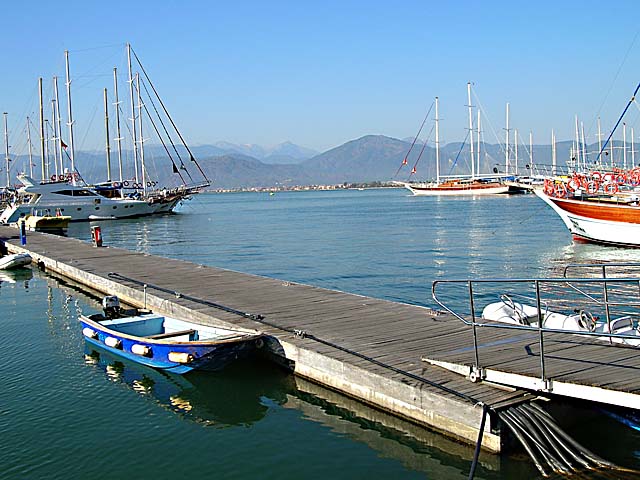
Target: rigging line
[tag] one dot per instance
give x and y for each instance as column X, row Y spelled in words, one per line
column 404, row 162
column 175, row 168
column 169, row 116
column 633, row 98
column 615, row 77
column 165, row 131
column 462, row 145
column 424, row 145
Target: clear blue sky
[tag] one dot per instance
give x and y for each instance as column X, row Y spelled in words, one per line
column 322, row 73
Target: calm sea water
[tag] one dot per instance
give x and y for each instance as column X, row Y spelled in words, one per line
column 70, row 412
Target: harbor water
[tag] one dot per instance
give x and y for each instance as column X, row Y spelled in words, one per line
column 67, row 411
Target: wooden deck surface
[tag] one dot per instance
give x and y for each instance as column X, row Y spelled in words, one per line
column 383, row 337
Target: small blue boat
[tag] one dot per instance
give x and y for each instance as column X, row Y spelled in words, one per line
column 166, row 343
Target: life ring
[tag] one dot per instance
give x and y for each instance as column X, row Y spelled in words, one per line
column 610, row 188
column 621, row 178
column 125, row 183
column 634, row 178
column 593, row 186
column 116, row 185
column 573, row 184
column 54, row 178
column 560, row 190
column 548, row 186
column 76, row 176
column 596, row 176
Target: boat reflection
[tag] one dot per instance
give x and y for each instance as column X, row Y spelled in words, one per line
column 239, row 395
column 18, row 275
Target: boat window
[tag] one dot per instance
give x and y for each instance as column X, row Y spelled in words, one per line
column 75, row 193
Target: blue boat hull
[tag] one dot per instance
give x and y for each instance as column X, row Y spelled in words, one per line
column 201, row 355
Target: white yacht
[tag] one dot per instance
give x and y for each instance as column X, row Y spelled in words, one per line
column 85, row 203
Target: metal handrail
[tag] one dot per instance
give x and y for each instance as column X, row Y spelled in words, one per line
column 540, row 329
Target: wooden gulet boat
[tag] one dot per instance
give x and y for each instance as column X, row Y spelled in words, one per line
column 606, row 213
column 463, row 185
column 166, row 343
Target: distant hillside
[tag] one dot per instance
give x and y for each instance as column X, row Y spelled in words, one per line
column 366, row 159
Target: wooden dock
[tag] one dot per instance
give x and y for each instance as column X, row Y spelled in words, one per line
column 366, row 348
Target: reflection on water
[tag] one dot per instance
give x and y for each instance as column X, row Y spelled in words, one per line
column 19, row 275
column 233, row 396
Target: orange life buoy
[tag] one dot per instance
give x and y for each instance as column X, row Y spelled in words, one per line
column 560, row 190
column 593, row 186
column 610, row 188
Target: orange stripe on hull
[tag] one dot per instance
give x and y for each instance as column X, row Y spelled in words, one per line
column 599, row 211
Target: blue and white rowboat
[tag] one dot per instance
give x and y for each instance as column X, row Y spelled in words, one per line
column 166, row 343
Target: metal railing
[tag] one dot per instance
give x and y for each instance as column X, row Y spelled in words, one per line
column 584, row 294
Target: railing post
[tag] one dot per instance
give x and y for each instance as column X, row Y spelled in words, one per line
column 473, row 322
column 606, row 301
column 540, row 332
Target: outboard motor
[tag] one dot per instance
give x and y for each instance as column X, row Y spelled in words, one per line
column 111, row 306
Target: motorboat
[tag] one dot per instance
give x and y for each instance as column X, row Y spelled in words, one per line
column 80, row 203
column 43, row 221
column 518, row 313
column 166, row 343
column 16, row 260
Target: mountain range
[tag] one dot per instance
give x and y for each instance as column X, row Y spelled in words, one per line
column 367, row 159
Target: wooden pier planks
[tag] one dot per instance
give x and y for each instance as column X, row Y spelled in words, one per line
column 388, row 332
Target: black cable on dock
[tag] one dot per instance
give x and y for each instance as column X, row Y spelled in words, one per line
column 299, row 333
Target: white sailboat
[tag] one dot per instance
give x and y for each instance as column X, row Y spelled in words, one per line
column 459, row 185
column 111, row 199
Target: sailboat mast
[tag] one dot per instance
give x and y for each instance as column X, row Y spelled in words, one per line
column 624, row 145
column 6, row 149
column 473, row 173
column 46, row 147
column 577, row 151
column 106, row 128
column 118, row 138
column 531, row 152
column 29, row 147
column 144, row 181
column 553, row 153
column 506, row 143
column 585, row 158
column 53, row 139
column 515, row 146
column 437, row 145
column 59, row 117
column 478, row 152
column 44, row 176
column 599, row 140
column 633, row 151
column 70, row 120
column 133, row 116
